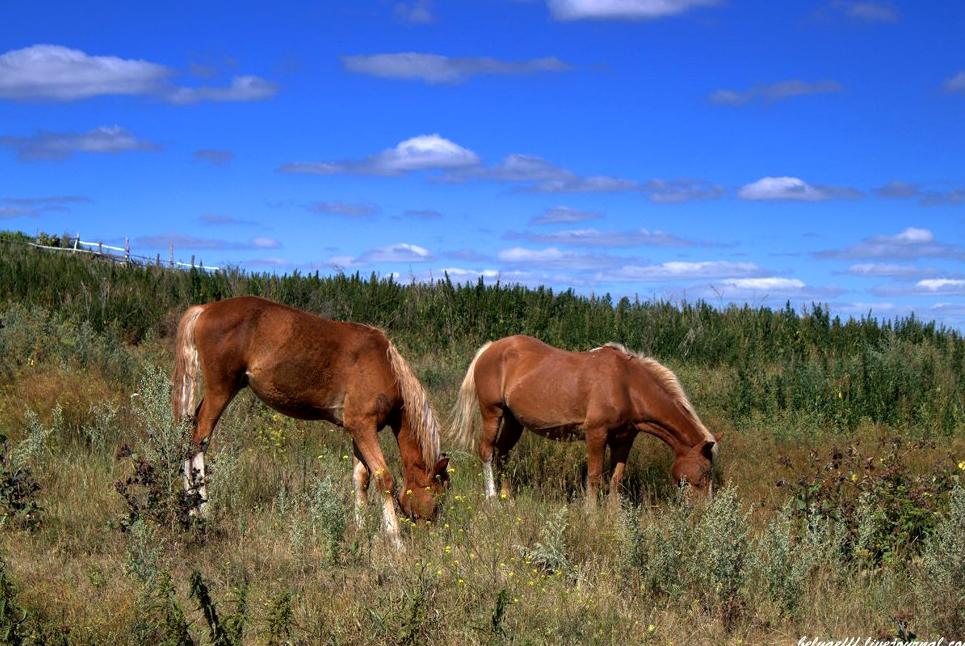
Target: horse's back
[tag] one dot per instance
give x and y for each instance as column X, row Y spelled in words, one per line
column 545, row 386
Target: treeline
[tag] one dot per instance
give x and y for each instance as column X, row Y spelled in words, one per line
column 901, row 371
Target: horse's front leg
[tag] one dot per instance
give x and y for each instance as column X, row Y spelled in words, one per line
column 365, row 438
column 595, row 450
column 619, row 452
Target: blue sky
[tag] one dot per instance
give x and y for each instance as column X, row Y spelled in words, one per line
column 733, row 151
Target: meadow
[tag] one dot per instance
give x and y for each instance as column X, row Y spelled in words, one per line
column 841, row 509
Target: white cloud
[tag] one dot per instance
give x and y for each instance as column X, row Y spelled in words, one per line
column 679, row 270
column 242, row 88
column 417, row 12
column 551, row 257
column 770, row 283
column 913, row 242
column 435, row 68
column 868, row 11
column 56, row 73
column 522, row 254
column 597, row 238
column 349, row 209
column 886, row 270
column 399, row 252
column 955, row 83
column 180, row 241
column 941, row 285
column 424, row 152
column 564, row 214
column 793, row 188
column 621, row 9
column 774, row 92
column 62, row 74
column 216, row 157
column 51, row 145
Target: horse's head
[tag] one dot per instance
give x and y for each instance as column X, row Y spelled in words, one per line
column 421, row 489
column 696, row 466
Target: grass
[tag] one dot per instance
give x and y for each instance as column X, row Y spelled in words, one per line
column 826, row 525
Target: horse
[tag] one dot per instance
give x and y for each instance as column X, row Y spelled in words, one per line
column 308, row 367
column 606, row 396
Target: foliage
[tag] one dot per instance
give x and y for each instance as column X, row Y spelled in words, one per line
column 222, row 630
column 885, row 508
column 942, row 568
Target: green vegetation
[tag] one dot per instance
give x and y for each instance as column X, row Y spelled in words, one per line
column 841, row 511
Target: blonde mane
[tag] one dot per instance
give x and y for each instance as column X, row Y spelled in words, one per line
column 668, row 380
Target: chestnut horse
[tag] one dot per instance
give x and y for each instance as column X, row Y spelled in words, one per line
column 606, row 396
column 309, row 367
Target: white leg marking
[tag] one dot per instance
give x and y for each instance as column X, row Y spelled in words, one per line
column 360, row 477
column 489, row 480
column 389, row 521
column 195, row 480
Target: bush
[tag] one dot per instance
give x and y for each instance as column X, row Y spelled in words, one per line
column 942, row 569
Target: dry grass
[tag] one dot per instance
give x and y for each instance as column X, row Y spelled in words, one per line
column 462, row 579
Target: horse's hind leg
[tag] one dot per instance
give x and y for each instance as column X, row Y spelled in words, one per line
column 492, row 418
column 595, row 448
column 507, row 438
column 216, row 399
column 619, row 452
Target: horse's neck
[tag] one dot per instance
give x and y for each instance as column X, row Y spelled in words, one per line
column 413, row 463
column 663, row 418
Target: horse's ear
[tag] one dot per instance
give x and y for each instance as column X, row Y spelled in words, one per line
column 719, row 436
column 441, row 465
column 707, row 450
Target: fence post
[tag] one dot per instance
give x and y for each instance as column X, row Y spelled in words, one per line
column 171, row 254
column 77, row 241
column 192, row 261
column 127, row 251
column 100, row 248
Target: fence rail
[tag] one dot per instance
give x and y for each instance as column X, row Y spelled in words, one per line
column 123, row 254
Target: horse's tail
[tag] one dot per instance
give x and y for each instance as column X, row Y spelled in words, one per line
column 416, row 409
column 464, row 412
column 185, row 365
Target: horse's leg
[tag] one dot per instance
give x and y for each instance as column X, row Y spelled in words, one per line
column 595, row 449
column 360, row 478
column 619, row 451
column 492, row 420
column 217, row 396
column 365, row 436
column 508, row 436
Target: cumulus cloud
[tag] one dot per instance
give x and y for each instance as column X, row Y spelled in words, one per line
column 215, row 157
column 56, row 73
column 941, row 286
column 867, row 11
column 773, row 92
column 793, row 189
column 551, row 257
column 597, row 238
column 621, row 9
column 179, row 241
column 424, row 152
column 438, row 69
column 399, row 252
column 955, row 83
column 53, row 145
column 61, row 74
column 348, row 209
column 679, row 270
column 564, row 214
column 913, row 242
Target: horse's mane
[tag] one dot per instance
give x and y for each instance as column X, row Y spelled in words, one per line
column 668, row 380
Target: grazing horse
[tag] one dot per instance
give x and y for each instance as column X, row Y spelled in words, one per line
column 606, row 396
column 309, row 367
